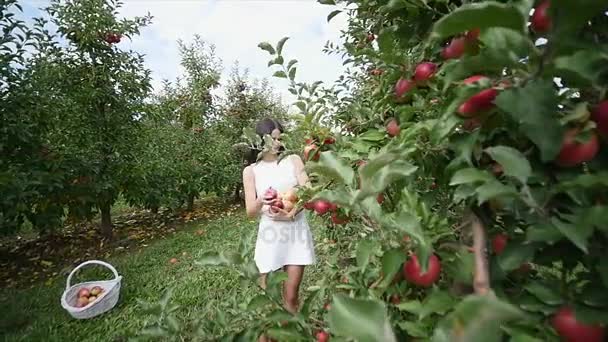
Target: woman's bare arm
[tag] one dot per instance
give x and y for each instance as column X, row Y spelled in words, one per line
column 253, row 204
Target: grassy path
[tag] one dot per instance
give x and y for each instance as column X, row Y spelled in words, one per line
column 36, row 314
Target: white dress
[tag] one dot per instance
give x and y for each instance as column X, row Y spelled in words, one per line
column 280, row 243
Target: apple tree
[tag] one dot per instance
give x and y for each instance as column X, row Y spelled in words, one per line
column 464, row 198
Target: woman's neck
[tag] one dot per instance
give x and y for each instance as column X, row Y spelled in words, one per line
column 270, row 157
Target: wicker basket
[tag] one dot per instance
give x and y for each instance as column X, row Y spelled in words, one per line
column 106, row 300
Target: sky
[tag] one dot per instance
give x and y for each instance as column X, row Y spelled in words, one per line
column 235, row 27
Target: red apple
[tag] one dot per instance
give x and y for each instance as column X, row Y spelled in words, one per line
column 472, row 35
column 308, row 141
column 571, row 330
column 288, row 205
column 380, row 198
column 322, row 336
column 329, row 141
column 96, row 290
column 403, row 86
column 309, row 205
column 455, row 48
column 291, row 195
column 600, row 116
column 497, row 169
column 573, row 153
column 92, row 299
column 311, row 149
column 338, row 219
column 499, row 242
column 82, row 302
column 376, row 72
column 173, row 260
column 271, row 194
column 327, row 306
column 424, row 71
column 479, row 102
column 541, row 20
column 392, row 128
column 412, row 271
column 84, row 292
column 322, row 207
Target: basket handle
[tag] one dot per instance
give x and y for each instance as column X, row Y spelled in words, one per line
column 90, row 262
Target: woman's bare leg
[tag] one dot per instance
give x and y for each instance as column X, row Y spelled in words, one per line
column 292, row 286
column 262, row 282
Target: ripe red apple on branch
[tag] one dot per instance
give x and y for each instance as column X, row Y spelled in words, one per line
column 479, row 102
column 541, row 20
column 600, row 116
column 392, row 128
column 412, row 271
column 572, row 330
column 322, row 336
column 499, row 242
column 424, row 71
column 574, row 152
column 403, row 86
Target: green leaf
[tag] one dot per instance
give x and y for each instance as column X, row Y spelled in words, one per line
column 373, row 135
column 480, row 15
column 532, row 304
column 413, row 306
column 365, row 249
column 257, row 302
column 585, row 180
column 534, row 107
column 292, row 73
column 577, row 234
column 595, row 295
column 494, row 189
column 543, row 232
column 301, row 105
column 392, row 260
column 267, row 47
column 327, row 2
column 470, row 175
column 361, row 319
column 583, row 68
column 374, row 183
column 280, row 45
column 477, row 319
column 516, row 254
column 414, row 329
column 280, row 74
column 438, row 302
column 545, row 292
column 578, row 14
column 513, row 162
column 305, row 310
column 333, row 167
column 602, row 268
column 285, row 334
column 333, row 14
column 506, row 47
column 291, row 63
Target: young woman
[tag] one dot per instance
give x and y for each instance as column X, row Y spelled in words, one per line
column 284, row 240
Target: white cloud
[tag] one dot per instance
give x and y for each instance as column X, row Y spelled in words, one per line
column 235, row 28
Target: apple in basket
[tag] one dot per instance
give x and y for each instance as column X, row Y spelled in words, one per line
column 92, row 299
column 96, row 290
column 84, row 292
column 82, row 302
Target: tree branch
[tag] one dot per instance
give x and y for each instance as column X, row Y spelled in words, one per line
column 481, row 278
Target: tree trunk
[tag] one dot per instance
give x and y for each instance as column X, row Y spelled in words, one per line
column 106, row 220
column 190, row 202
column 154, row 209
column 237, row 192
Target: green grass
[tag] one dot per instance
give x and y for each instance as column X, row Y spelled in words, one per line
column 36, row 314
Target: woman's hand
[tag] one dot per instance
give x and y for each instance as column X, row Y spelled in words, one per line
column 279, row 214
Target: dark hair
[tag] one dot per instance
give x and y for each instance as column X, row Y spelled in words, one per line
column 263, row 127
